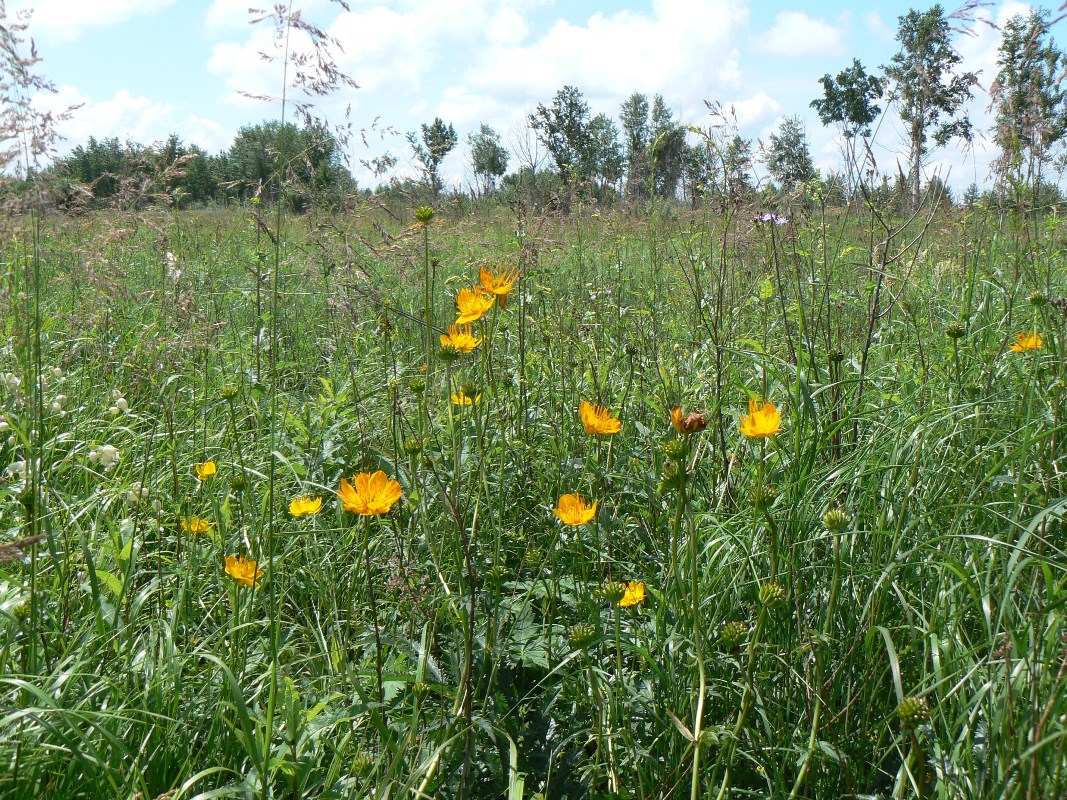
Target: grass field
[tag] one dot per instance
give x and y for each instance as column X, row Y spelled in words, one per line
column 861, row 598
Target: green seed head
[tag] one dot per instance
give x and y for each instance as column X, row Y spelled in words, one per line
column 612, row 592
column 581, row 636
column 413, row 446
column 956, row 331
column 772, row 594
column 913, row 711
column 835, row 520
column 423, row 215
column 417, row 384
column 1038, row 299
column 675, row 449
column 763, row 497
column 732, row 634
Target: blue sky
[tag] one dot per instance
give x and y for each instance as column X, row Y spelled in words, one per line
column 143, row 68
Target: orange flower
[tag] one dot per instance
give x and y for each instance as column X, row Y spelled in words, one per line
column 369, row 495
column 471, row 305
column 635, row 593
column 691, row 423
column 572, row 510
column 305, row 506
column 499, row 284
column 243, row 570
column 461, row 338
column 761, row 422
column 597, row 420
column 1024, row 342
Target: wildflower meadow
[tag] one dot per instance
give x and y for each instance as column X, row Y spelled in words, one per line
column 435, row 496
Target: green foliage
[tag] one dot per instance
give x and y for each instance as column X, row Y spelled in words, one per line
column 789, row 159
column 489, row 158
column 1029, row 97
column 926, row 86
column 849, row 100
column 438, row 140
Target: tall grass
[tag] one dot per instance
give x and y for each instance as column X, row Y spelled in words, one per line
column 462, row 644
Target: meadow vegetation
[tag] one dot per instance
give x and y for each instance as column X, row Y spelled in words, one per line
column 856, row 592
column 416, row 496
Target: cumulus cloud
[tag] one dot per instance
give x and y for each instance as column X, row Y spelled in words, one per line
column 68, row 19
column 127, row 116
column 794, row 33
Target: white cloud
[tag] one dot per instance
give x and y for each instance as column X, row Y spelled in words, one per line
column 752, row 111
column 875, row 24
column 794, row 33
column 126, row 116
column 68, row 19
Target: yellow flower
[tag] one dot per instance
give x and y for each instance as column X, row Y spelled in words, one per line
column 369, row 495
column 461, row 338
column 635, row 593
column 1024, row 342
column 472, row 305
column 305, row 506
column 761, row 422
column 195, row 525
column 243, row 570
column 691, row 423
column 596, row 419
column 206, row 470
column 499, row 284
column 460, row 398
column 572, row 510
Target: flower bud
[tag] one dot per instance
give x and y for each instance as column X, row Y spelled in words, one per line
column 423, row 215
column 772, row 594
column 581, row 636
column 913, row 711
column 835, row 520
column 732, row 634
column 612, row 592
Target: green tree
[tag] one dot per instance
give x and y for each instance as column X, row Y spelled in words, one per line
column 737, row 166
column 438, row 140
column 848, row 102
column 926, row 87
column 1029, row 96
column 789, row 161
column 489, row 158
column 636, row 135
column 563, row 128
column 667, row 148
column 272, row 159
column 603, row 160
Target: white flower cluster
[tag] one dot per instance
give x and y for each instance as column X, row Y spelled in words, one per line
column 17, row 469
column 106, row 455
column 58, row 403
column 119, row 404
column 135, row 493
column 12, row 380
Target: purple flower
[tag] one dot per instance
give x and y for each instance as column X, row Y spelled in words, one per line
column 777, row 219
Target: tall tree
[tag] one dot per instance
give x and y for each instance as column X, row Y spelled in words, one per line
column 1029, row 96
column 789, row 161
column 603, row 158
column 636, row 134
column 438, row 140
column 929, row 92
column 848, row 102
column 489, row 158
column 666, row 149
column 737, row 166
column 563, row 128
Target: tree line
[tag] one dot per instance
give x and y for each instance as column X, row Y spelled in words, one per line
column 649, row 153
